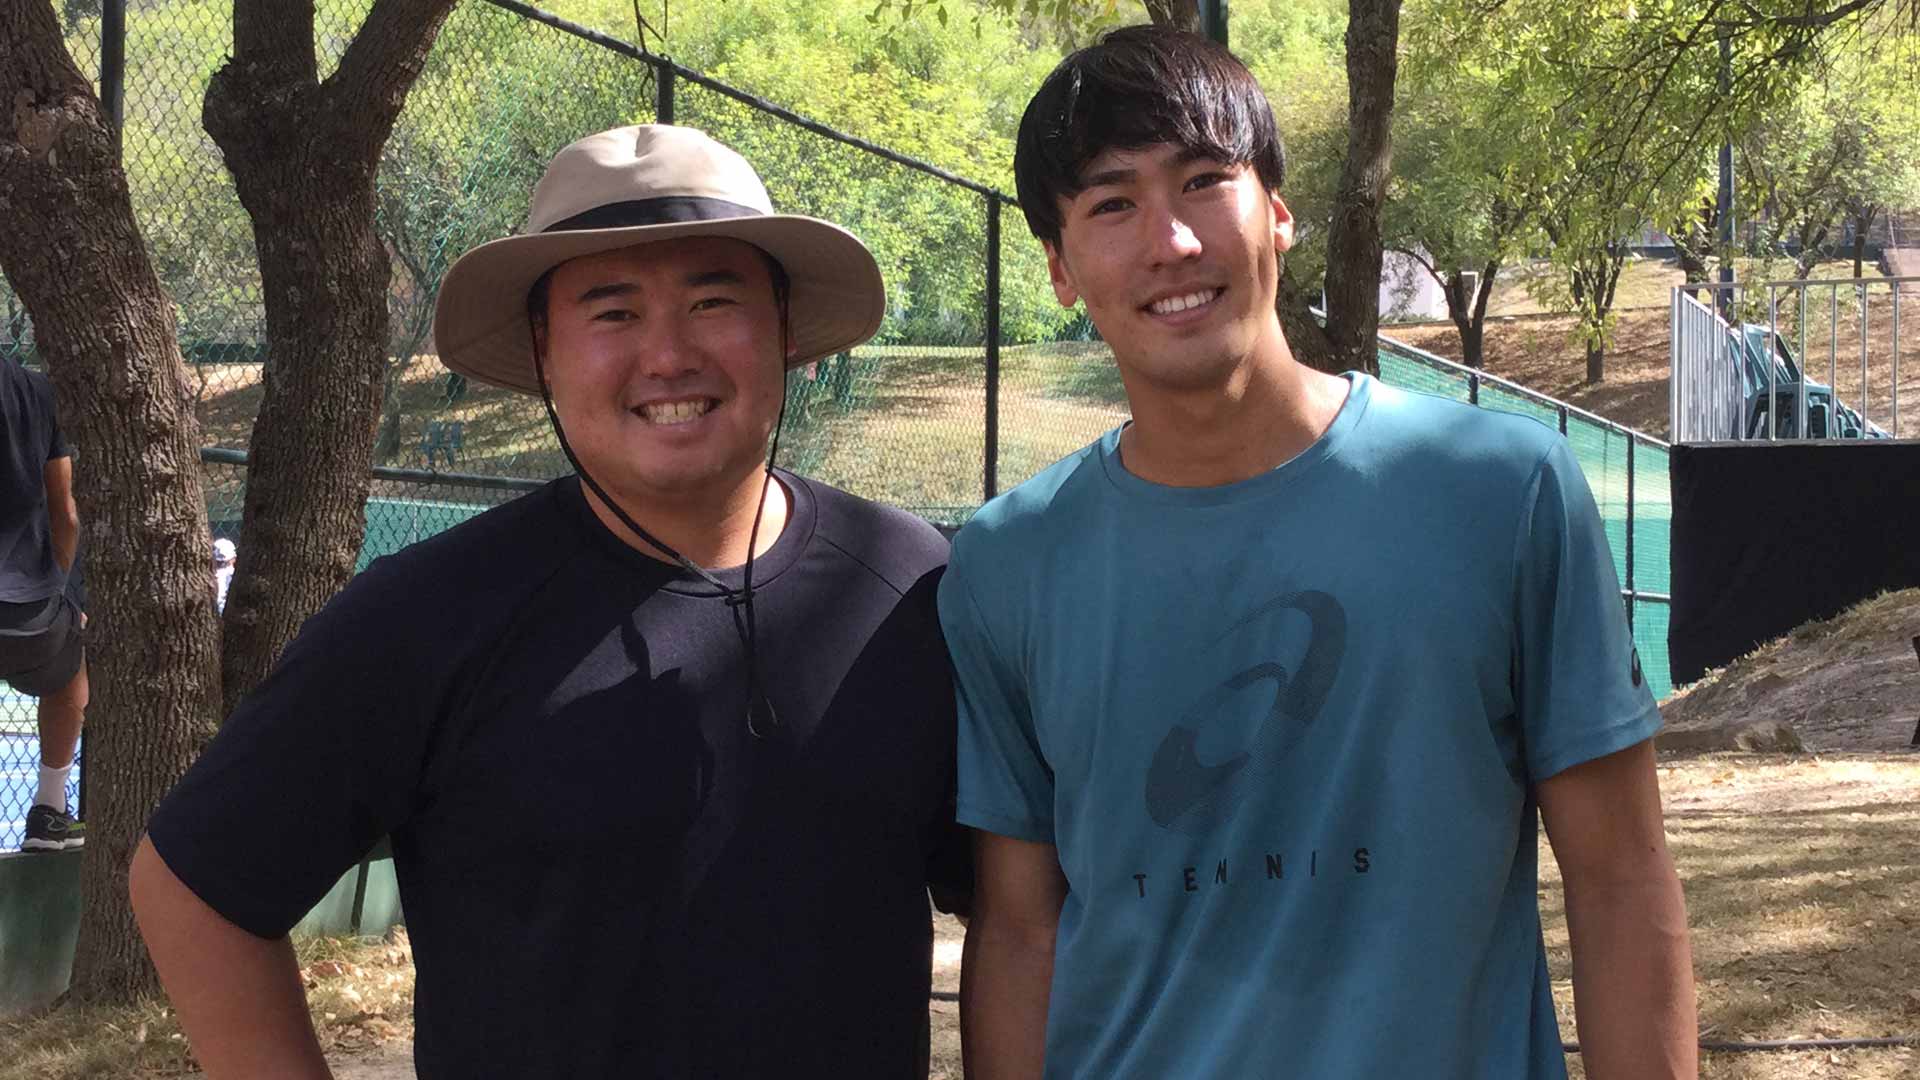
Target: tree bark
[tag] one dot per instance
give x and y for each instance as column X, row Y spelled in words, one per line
column 105, row 330
column 1305, row 335
column 1862, row 224
column 1354, row 247
column 1469, row 313
column 303, row 154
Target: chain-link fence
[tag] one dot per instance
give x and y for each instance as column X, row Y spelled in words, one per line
column 976, row 380
column 1626, row 470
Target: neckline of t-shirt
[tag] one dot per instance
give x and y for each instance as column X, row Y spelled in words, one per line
column 1359, row 393
column 802, row 516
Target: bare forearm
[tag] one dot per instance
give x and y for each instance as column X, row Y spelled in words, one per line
column 63, row 530
column 1633, row 980
column 1005, row 978
column 239, row 996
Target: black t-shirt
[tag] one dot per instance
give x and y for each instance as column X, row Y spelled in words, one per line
column 604, row 873
column 28, row 571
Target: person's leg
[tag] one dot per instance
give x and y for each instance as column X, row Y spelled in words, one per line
column 61, row 715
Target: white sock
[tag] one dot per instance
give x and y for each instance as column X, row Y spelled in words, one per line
column 53, row 787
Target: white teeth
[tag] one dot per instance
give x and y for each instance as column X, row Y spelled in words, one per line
column 675, row 412
column 1182, row 303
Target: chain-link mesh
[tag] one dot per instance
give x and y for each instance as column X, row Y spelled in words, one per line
column 1631, row 494
column 901, row 420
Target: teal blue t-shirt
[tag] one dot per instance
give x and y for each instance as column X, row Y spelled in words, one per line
column 1283, row 732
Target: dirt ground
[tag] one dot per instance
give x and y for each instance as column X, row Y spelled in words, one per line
column 1851, row 683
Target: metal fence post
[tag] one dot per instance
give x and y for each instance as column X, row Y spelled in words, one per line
column 992, row 478
column 1563, row 419
column 1473, row 388
column 113, row 67
column 663, row 93
column 1632, row 598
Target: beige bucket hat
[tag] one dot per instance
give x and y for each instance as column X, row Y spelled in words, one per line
column 640, row 185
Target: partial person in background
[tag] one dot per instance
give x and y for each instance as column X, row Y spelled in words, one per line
column 223, row 555
column 41, row 622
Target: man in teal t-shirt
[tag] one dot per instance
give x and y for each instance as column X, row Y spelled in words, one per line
column 1264, row 694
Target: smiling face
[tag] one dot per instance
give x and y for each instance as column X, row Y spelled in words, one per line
column 1176, row 257
column 664, row 361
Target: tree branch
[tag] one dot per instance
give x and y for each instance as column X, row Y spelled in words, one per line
column 370, row 86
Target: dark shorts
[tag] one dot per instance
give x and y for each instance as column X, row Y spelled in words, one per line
column 41, row 645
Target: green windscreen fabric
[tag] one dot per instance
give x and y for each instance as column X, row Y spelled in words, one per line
column 1633, row 498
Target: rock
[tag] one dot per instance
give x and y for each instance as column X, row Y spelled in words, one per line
column 1760, row 736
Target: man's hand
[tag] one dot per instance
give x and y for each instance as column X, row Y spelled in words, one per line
column 1626, row 919
column 1007, row 968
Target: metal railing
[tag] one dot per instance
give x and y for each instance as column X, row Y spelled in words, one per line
column 1744, row 360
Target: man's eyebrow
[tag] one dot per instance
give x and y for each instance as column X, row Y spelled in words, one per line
column 611, row 288
column 714, row 277
column 1108, row 177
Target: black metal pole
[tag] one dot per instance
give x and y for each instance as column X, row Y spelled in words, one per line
column 663, row 93
column 113, row 66
column 1213, row 19
column 992, row 478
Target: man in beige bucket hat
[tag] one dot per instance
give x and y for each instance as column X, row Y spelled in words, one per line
column 665, row 799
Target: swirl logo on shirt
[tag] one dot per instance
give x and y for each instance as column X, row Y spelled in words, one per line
column 1188, row 794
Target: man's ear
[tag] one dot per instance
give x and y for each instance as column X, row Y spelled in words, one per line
column 1064, row 290
column 1282, row 222
column 540, row 351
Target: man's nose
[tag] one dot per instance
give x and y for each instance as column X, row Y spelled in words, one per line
column 1173, row 239
column 666, row 350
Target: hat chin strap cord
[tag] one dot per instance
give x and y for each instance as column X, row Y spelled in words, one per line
column 762, row 720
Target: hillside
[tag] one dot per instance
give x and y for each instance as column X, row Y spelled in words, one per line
column 1849, row 683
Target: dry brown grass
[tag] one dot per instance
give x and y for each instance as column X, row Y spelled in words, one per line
column 360, row 991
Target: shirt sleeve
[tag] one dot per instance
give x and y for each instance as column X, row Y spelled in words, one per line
column 317, row 763
column 1577, row 673
column 1005, row 785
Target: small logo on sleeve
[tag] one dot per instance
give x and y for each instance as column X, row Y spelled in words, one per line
column 1636, row 666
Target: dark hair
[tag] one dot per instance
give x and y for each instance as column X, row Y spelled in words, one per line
column 537, row 296
column 1138, row 86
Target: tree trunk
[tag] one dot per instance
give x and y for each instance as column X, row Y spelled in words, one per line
column 1353, row 249
column 105, row 329
column 1862, row 225
column 1596, row 362
column 386, row 442
column 303, row 154
column 1305, row 336
column 1469, row 313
